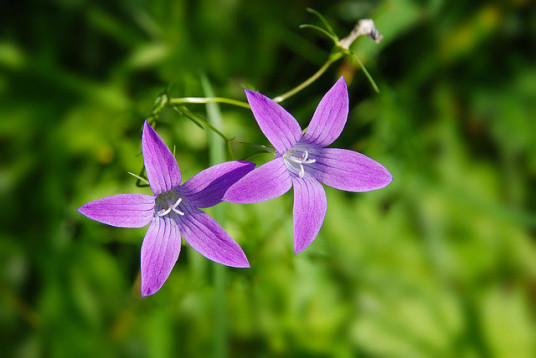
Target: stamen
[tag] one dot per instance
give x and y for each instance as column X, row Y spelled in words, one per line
column 174, row 207
column 164, row 212
column 299, row 159
column 307, row 161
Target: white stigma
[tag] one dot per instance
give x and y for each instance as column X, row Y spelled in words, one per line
column 171, row 207
column 300, row 160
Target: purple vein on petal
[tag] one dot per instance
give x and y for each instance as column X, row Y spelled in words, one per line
column 266, row 182
column 348, row 170
column 330, row 116
column 160, row 250
column 279, row 126
column 208, row 238
column 121, row 210
column 207, row 188
column 289, row 143
column 309, row 210
column 161, row 167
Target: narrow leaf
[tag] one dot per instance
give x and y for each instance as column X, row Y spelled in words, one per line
column 324, row 21
column 184, row 113
column 321, row 30
column 261, row 147
column 367, row 74
column 142, row 179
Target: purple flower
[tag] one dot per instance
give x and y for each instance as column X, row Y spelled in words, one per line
column 172, row 210
column 302, row 162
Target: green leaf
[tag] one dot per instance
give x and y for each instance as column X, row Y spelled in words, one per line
column 367, row 74
column 261, row 147
column 188, row 114
column 142, row 179
column 324, row 21
column 321, row 30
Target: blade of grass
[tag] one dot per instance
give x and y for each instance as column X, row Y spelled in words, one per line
column 216, row 142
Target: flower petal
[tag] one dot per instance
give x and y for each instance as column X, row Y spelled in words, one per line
column 208, row 238
column 268, row 181
column 159, row 252
column 348, row 170
column 161, row 167
column 310, row 207
column 122, row 210
column 330, row 116
column 206, row 188
column 281, row 129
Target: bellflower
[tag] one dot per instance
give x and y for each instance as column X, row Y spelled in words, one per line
column 172, row 210
column 302, row 162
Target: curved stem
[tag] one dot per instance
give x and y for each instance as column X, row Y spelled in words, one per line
column 205, row 100
column 333, row 58
column 188, row 113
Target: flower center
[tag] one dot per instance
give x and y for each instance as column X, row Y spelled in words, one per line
column 295, row 159
column 166, row 203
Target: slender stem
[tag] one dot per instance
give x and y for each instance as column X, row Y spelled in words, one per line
column 217, row 155
column 202, row 120
column 205, row 100
column 187, row 112
column 367, row 74
column 254, row 154
column 333, row 58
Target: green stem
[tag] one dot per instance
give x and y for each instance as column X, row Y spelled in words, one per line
column 367, row 74
column 189, row 113
column 212, row 100
column 206, row 100
column 324, row 21
column 217, row 155
column 199, row 119
column 321, row 30
column 333, row 58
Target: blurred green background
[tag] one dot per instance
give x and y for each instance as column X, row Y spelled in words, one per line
column 441, row 263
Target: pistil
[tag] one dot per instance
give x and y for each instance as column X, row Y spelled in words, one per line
column 300, row 160
column 171, row 207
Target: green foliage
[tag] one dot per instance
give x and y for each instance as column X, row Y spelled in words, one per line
column 441, row 263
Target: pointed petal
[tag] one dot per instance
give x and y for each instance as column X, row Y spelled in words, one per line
column 330, row 116
column 268, row 181
column 206, row 188
column 159, row 252
column 281, row 129
column 208, row 238
column 348, row 170
column 161, row 167
column 310, row 207
column 122, row 210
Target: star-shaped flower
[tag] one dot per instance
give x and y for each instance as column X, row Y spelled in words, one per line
column 302, row 162
column 172, row 210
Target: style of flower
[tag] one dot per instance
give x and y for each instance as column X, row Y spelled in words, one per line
column 172, row 210
column 302, row 162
